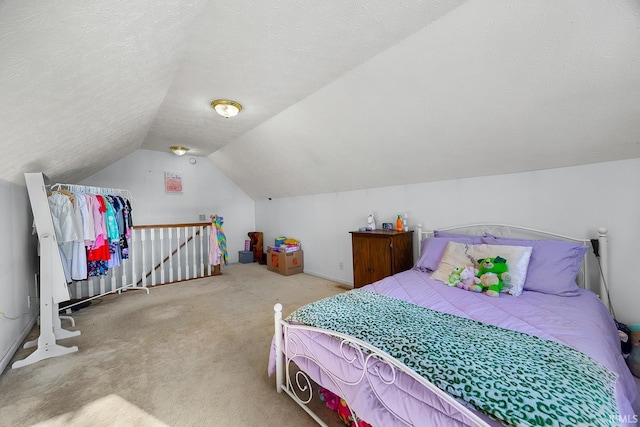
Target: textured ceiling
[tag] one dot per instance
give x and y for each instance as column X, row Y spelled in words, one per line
column 270, row 55
column 80, row 82
column 337, row 96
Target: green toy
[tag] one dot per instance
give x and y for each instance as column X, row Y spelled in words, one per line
column 493, row 274
column 454, row 277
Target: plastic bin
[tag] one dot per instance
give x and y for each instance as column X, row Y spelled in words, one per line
column 245, row 257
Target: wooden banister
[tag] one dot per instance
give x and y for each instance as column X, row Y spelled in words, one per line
column 187, row 224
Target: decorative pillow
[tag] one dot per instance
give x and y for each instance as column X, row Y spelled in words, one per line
column 433, row 248
column 554, row 264
column 462, row 255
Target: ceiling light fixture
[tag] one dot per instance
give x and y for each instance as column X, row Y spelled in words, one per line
column 226, row 108
column 178, row 151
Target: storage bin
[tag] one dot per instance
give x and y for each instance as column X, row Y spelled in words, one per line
column 245, row 257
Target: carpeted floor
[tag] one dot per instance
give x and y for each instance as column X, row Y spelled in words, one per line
column 189, row 354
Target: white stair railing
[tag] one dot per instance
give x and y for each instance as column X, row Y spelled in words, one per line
column 159, row 254
column 181, row 248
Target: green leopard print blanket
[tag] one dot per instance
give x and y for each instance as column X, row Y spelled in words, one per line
column 513, row 377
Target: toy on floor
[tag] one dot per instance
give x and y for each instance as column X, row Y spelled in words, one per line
column 339, row 405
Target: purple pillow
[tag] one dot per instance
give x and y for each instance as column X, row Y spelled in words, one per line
column 477, row 240
column 554, row 264
column 433, row 248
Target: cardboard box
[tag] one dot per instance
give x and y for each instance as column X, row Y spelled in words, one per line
column 285, row 263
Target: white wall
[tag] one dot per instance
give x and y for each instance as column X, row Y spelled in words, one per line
column 572, row 201
column 205, row 191
column 18, row 265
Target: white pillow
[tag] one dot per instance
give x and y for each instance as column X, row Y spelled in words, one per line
column 462, row 255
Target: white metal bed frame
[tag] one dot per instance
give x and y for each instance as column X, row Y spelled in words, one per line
column 380, row 366
column 591, row 266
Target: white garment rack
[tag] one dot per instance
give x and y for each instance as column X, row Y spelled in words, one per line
column 76, row 188
column 104, row 191
column 53, row 284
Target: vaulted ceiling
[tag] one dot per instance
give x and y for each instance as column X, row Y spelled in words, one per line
column 337, row 95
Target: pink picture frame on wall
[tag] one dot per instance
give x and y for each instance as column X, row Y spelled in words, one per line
column 172, row 182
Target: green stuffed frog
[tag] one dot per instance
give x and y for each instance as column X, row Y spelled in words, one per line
column 493, row 274
column 454, row 277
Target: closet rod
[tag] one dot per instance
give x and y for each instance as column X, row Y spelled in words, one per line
column 77, row 188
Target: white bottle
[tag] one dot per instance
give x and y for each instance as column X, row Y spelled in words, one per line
column 371, row 222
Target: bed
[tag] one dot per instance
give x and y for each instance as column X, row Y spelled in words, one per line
column 414, row 349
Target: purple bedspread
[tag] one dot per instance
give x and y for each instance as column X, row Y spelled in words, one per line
column 581, row 322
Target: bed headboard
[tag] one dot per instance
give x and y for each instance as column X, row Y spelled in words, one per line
column 593, row 274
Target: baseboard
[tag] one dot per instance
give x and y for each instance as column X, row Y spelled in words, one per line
column 4, row 362
column 324, row 276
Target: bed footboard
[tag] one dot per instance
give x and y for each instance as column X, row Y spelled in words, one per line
column 367, row 378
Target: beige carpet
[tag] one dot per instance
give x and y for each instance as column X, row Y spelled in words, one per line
column 189, row 354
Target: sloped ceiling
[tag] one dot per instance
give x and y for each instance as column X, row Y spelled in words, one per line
column 337, row 96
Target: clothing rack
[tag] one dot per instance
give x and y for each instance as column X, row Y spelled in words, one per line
column 104, row 191
column 53, row 283
column 76, row 188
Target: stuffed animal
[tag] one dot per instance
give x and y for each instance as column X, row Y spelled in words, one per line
column 468, row 278
column 493, row 275
column 454, row 277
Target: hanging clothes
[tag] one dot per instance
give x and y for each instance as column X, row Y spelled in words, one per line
column 64, row 217
column 125, row 230
column 89, row 226
column 113, row 207
column 218, row 243
column 214, row 250
column 98, row 255
column 66, row 226
column 79, row 252
column 92, row 230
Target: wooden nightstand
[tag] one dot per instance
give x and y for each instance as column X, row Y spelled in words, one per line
column 380, row 253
